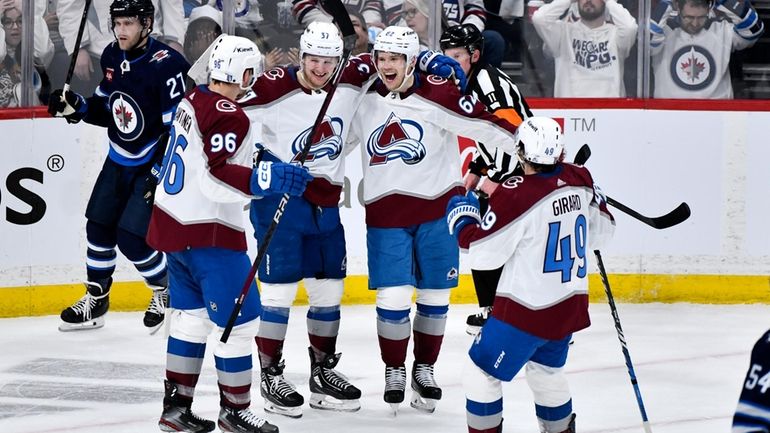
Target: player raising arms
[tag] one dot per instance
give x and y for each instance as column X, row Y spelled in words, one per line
column 197, row 220
column 309, row 244
column 541, row 227
column 143, row 82
column 408, row 122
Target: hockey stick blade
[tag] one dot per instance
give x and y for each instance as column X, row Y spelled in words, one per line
column 341, row 17
column 582, row 155
column 676, row 216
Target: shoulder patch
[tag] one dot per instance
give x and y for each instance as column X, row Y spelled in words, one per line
column 513, row 182
column 436, row 80
column 226, row 106
column 159, row 55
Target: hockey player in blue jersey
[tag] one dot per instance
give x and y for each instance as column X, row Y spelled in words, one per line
column 143, row 82
column 753, row 412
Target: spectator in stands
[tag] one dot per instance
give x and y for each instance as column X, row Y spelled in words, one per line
column 10, row 52
column 57, row 69
column 691, row 49
column 506, row 18
column 307, row 11
column 416, row 14
column 269, row 24
column 363, row 44
column 589, row 52
column 204, row 27
column 168, row 27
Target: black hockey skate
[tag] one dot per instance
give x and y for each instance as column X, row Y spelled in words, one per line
column 395, row 384
column 156, row 311
column 570, row 426
column 280, row 396
column 243, row 421
column 330, row 389
column 425, row 390
column 476, row 321
column 177, row 415
column 89, row 311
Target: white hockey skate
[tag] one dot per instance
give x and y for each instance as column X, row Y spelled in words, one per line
column 331, row 389
column 425, row 391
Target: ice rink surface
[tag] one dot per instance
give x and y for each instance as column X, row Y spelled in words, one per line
column 690, row 361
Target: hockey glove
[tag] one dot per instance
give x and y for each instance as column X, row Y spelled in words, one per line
column 599, row 195
column 461, row 211
column 279, row 178
column 436, row 63
column 67, row 104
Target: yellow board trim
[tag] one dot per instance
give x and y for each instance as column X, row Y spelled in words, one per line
column 635, row 288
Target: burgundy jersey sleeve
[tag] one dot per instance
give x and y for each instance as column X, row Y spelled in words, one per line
column 271, row 86
column 358, row 70
column 446, row 94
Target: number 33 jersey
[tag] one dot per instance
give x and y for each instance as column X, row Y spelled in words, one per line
column 205, row 178
column 542, row 229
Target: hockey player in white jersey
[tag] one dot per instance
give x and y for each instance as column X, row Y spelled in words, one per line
column 309, row 244
column 541, row 227
column 205, row 181
column 407, row 123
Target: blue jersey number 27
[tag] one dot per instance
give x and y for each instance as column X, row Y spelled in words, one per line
column 558, row 251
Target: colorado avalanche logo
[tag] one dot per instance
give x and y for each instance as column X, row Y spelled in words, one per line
column 327, row 140
column 392, row 141
column 127, row 116
column 692, row 68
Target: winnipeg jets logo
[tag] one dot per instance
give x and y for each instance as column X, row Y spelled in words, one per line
column 396, row 139
column 327, row 140
column 127, row 116
column 693, row 68
column 159, row 55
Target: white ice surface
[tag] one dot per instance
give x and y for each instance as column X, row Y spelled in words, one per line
column 690, row 361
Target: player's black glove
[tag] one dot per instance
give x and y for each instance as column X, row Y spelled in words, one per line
column 67, row 104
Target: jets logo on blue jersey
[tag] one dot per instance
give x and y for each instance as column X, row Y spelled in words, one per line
column 127, row 116
column 327, row 140
column 396, row 139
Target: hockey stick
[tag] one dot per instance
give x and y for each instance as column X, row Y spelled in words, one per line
column 676, row 216
column 623, row 344
column 76, row 48
column 337, row 10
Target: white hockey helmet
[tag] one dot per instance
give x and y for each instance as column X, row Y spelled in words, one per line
column 231, row 56
column 321, row 39
column 540, row 141
column 402, row 40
